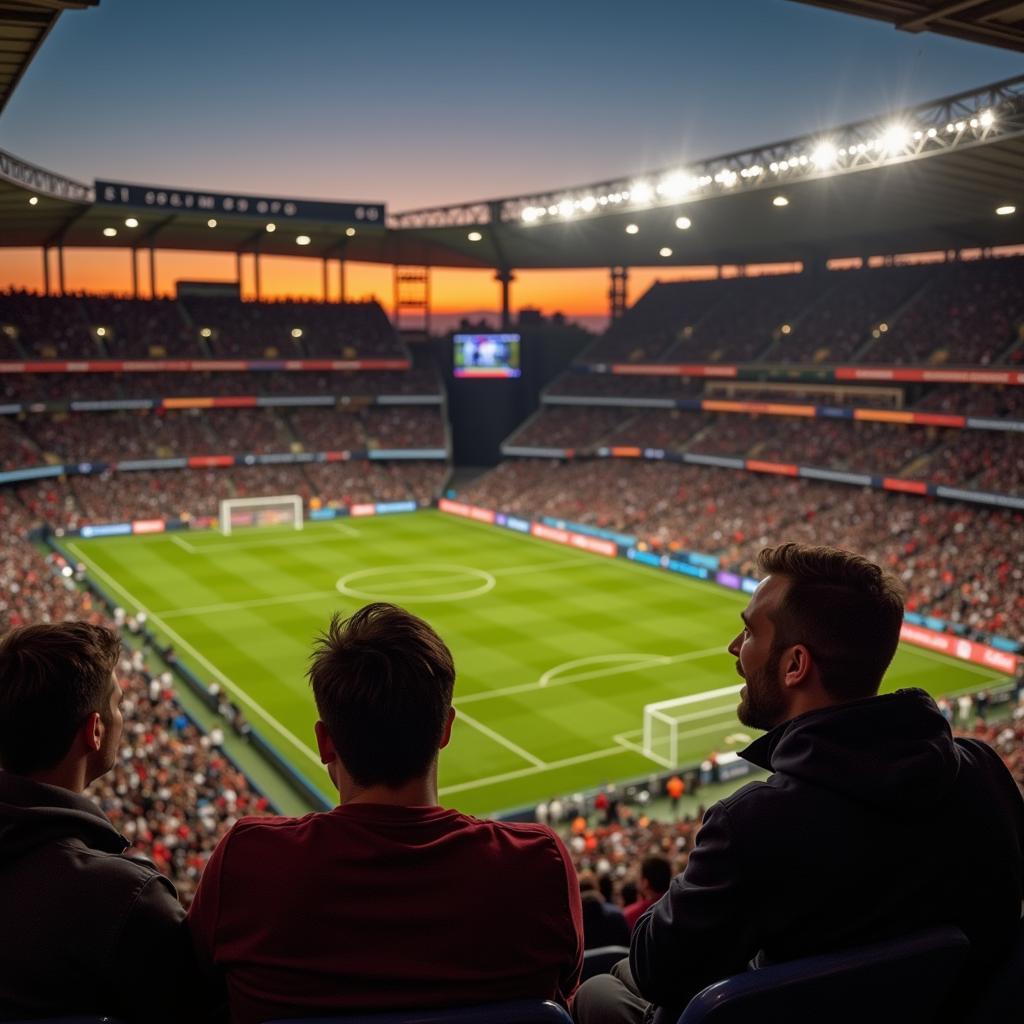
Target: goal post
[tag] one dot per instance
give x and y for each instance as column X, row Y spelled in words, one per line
column 270, row 511
column 667, row 722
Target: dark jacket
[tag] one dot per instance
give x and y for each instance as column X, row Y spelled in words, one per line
column 84, row 929
column 604, row 924
column 876, row 823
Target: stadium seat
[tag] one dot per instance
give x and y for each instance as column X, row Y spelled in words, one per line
column 601, row 959
column 1004, row 996
column 905, row 979
column 517, row 1011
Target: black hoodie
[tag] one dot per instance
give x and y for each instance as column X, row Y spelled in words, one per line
column 84, row 929
column 875, row 823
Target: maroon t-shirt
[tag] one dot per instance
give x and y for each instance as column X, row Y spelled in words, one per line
column 374, row 907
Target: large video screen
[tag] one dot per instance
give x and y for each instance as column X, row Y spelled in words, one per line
column 487, row 355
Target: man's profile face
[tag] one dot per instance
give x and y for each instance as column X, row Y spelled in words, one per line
column 113, row 725
column 763, row 703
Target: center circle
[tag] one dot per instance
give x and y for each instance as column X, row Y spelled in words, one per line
column 409, row 578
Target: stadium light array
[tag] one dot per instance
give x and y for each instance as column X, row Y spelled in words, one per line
column 33, row 200
column 1006, row 211
column 924, row 130
column 130, row 222
column 110, row 232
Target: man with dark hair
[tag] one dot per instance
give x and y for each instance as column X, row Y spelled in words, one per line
column 655, row 877
column 86, row 930
column 854, row 837
column 388, row 901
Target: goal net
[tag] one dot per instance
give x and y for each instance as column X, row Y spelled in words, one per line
column 280, row 509
column 668, row 724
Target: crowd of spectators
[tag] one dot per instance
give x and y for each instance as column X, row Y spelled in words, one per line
column 959, row 561
column 995, row 402
column 568, row 426
column 140, row 328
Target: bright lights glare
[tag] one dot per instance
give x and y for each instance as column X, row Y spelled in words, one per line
column 296, row 332
column 530, row 214
column 211, row 223
column 675, row 185
column 631, row 229
column 131, row 222
column 1006, row 211
column 895, row 138
column 110, row 232
column 786, row 328
column 780, row 201
column 932, row 132
column 33, row 200
column 665, row 252
column 303, row 240
column 565, row 208
column 987, row 119
column 683, row 223
column 474, row 236
column 351, row 232
column 641, row 192
column 824, row 155
column 271, row 228
column 587, row 204
column 206, row 333
column 101, row 332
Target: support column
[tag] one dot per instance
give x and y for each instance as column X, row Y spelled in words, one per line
column 617, row 292
column 60, row 270
column 256, row 268
column 324, row 262
column 46, row 270
column 505, row 277
column 238, row 271
column 135, row 272
column 152, row 272
column 342, row 293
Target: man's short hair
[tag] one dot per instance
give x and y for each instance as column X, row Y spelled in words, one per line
column 383, row 682
column 656, row 871
column 52, row 677
column 845, row 609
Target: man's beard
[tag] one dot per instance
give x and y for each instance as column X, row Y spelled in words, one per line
column 763, row 706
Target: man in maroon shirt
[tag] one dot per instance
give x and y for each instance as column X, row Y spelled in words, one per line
column 389, row 901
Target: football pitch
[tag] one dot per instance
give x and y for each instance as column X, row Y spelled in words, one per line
column 557, row 650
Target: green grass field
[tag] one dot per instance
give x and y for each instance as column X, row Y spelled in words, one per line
column 557, row 650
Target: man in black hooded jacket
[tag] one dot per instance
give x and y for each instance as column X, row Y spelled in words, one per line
column 875, row 823
column 85, row 929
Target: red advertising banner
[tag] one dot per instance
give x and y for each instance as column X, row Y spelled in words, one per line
column 148, row 526
column 363, row 510
column 960, row 647
column 458, row 508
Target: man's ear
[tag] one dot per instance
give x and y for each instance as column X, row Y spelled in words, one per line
column 91, row 732
column 447, row 734
column 796, row 666
column 324, row 744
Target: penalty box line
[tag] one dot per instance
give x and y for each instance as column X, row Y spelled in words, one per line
column 235, row 689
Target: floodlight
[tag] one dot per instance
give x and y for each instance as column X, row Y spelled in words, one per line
column 675, row 185
column 474, row 236
column 824, row 155
column 683, row 223
column 271, row 228
column 895, row 138
column 932, row 132
column 110, row 232
column 785, row 328
column 641, row 192
column 351, row 232
column 206, row 333
column 565, row 208
column 780, row 201
column 960, row 126
column 296, row 332
column 587, row 204
column 631, row 229
column 530, row 214
column 303, row 240
column 1006, row 211
column 211, row 223
column 665, row 251
column 883, row 327
column 987, row 119
column 33, row 200
column 101, row 332
column 131, row 222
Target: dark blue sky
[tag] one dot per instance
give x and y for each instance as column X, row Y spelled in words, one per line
column 421, row 103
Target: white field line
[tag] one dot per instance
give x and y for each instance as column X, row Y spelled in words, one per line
column 229, row 684
column 520, row 773
column 626, row 744
column 183, row 544
column 227, row 545
column 654, row 661
column 522, row 570
column 256, row 602
column 498, row 738
column 349, row 531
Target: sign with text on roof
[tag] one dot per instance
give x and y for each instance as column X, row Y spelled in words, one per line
column 116, row 193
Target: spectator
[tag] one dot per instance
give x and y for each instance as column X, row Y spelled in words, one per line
column 491, row 911
column 655, row 876
column 604, row 924
column 95, row 931
column 847, row 841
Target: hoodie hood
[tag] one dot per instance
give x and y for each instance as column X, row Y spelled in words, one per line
column 33, row 815
column 888, row 751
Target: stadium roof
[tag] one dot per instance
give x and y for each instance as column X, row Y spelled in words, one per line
column 932, row 177
column 24, row 24
column 993, row 22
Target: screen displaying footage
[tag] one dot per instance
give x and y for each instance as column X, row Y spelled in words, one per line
column 487, row 355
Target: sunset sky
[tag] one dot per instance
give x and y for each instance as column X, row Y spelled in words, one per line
column 423, row 104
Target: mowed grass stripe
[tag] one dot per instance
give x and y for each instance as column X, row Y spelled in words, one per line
column 251, row 613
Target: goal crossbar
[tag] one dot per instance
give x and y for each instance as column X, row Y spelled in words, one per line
column 293, row 502
column 661, row 727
